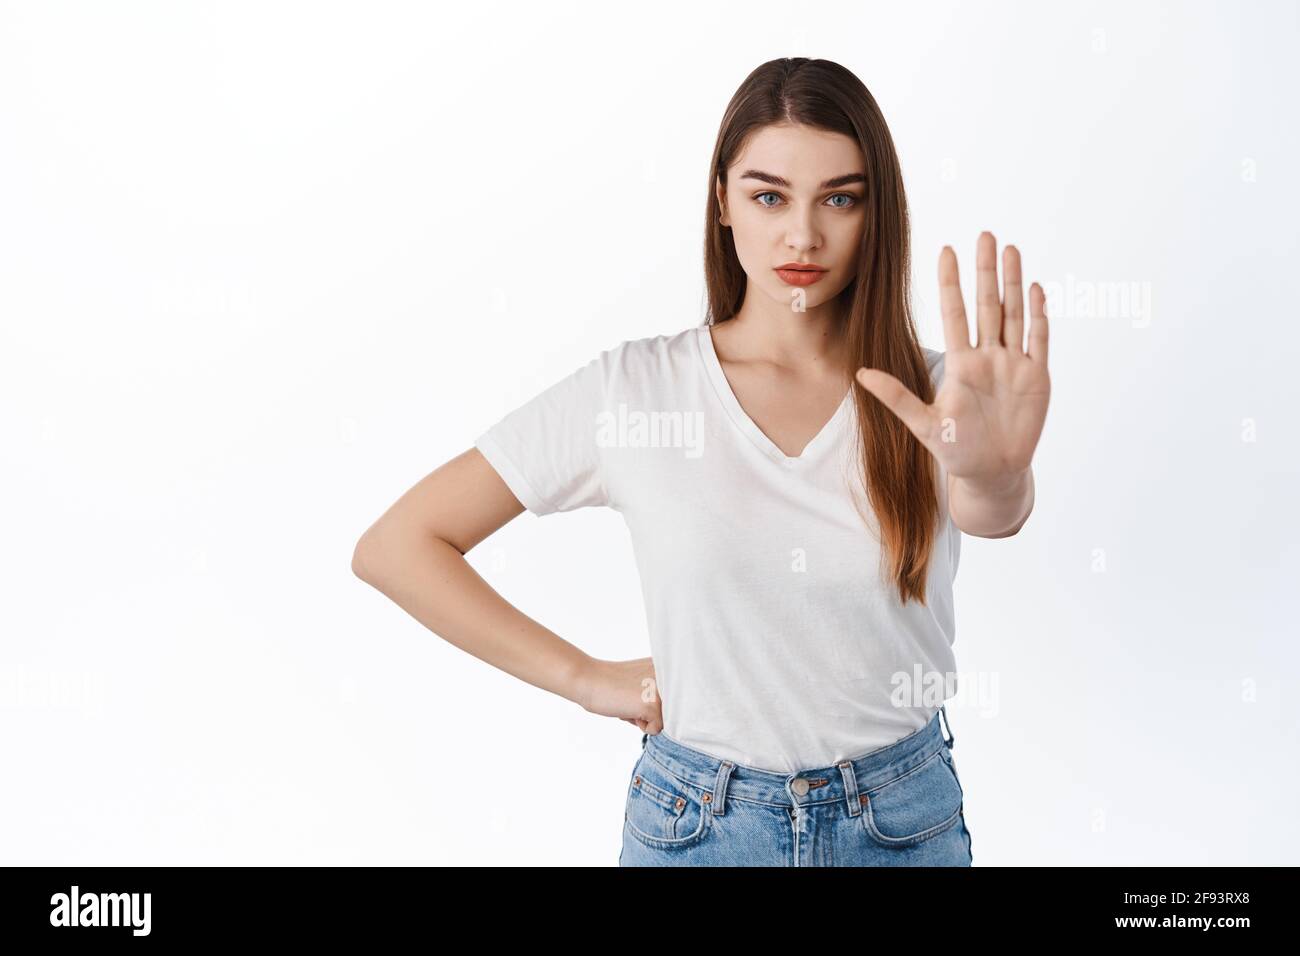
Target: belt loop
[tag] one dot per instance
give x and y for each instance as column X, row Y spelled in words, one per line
column 949, row 738
column 644, row 738
column 720, row 787
column 851, row 788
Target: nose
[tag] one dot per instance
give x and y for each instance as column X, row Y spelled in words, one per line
column 801, row 233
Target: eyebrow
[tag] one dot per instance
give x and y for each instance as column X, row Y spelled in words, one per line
column 779, row 181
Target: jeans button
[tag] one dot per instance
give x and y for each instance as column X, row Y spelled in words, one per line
column 799, row 785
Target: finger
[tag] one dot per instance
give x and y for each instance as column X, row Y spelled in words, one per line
column 988, row 308
column 900, row 400
column 956, row 331
column 1013, row 301
column 1038, row 324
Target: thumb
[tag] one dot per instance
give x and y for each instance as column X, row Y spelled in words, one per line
column 899, row 399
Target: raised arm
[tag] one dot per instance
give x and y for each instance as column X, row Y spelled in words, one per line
column 988, row 415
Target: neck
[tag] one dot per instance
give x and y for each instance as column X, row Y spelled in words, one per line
column 773, row 332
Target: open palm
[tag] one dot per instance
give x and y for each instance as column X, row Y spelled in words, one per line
column 987, row 417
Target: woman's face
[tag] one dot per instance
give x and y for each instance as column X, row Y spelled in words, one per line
column 796, row 195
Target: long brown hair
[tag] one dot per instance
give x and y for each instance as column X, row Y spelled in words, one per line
column 898, row 472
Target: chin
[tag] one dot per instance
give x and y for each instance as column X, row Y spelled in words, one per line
column 813, row 295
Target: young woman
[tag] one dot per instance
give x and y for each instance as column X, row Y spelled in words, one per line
column 796, row 536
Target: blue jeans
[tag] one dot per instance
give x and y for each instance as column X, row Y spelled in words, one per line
column 900, row 805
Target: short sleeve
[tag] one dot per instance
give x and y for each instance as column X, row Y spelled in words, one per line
column 546, row 450
column 934, row 360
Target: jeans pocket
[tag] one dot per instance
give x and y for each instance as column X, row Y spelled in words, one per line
column 917, row 805
column 662, row 811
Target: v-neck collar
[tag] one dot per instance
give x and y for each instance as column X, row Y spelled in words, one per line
column 741, row 419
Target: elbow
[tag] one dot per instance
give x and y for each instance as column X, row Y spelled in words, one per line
column 386, row 547
column 363, row 558
column 381, row 549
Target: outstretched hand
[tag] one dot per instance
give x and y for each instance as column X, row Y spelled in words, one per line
column 988, row 414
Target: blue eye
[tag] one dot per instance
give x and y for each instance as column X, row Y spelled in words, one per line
column 852, row 200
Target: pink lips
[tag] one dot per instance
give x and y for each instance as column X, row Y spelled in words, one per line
column 799, row 273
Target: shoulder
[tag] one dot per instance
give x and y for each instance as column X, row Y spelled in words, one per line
column 649, row 358
column 653, row 348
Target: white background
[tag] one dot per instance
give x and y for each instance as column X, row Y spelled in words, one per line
column 264, row 265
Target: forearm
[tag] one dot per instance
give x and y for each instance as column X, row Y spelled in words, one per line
column 431, row 580
column 991, row 510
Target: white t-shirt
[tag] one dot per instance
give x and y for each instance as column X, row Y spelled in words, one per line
column 777, row 641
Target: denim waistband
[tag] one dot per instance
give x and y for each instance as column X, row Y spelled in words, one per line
column 842, row 781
